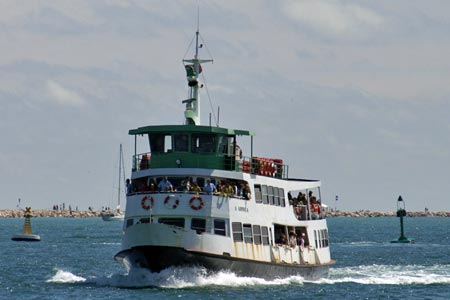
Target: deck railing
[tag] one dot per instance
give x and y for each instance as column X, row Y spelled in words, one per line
column 253, row 165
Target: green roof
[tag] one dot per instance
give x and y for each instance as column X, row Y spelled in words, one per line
column 188, row 129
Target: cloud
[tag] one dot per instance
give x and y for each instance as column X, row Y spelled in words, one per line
column 63, row 96
column 334, row 18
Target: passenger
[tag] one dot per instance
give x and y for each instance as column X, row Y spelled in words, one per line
column 292, row 239
column 209, row 187
column 298, row 212
column 247, row 192
column 152, row 187
column 229, row 190
column 302, row 242
column 301, row 198
column 219, row 187
column 144, row 162
column 143, row 188
column 164, row 185
column 282, row 239
column 186, row 184
column 196, row 188
column 241, row 190
column 312, row 199
column 235, row 189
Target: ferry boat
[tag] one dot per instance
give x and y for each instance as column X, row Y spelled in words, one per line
column 196, row 200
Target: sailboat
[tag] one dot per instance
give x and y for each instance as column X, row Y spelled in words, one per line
column 117, row 214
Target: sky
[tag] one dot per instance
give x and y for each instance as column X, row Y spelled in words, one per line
column 354, row 93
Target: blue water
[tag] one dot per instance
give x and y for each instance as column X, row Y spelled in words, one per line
column 74, row 260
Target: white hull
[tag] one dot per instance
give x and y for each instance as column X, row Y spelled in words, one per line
column 113, row 217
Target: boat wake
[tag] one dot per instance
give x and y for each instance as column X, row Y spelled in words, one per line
column 171, row 278
column 389, row 275
column 65, row 277
column 175, row 278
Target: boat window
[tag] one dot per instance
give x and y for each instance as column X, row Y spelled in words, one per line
column 265, row 197
column 265, row 235
column 320, row 238
column 248, row 235
column 181, row 143
column 129, row 223
column 144, row 221
column 324, row 238
column 237, row 231
column 315, row 238
column 198, row 225
column 258, row 194
column 167, row 143
column 270, row 194
column 223, row 144
column 203, row 143
column 156, row 143
column 276, row 197
column 281, row 195
column 257, row 234
column 179, row 222
column 327, row 241
column 219, row 227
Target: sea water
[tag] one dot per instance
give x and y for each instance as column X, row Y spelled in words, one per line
column 74, row 260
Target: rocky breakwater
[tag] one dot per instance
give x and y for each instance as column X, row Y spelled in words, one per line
column 369, row 214
column 42, row 213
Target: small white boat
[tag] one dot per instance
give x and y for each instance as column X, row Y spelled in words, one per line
column 116, row 215
column 112, row 216
column 26, row 235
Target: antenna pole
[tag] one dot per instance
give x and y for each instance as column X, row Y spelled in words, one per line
column 193, row 70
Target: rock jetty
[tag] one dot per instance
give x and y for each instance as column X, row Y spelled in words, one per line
column 358, row 214
column 43, row 213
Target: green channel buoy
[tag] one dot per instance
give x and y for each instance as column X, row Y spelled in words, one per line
column 401, row 212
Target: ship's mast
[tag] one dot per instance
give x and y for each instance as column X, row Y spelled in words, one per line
column 193, row 69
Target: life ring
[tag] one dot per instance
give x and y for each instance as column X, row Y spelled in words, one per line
column 146, row 206
column 173, row 206
column 200, row 203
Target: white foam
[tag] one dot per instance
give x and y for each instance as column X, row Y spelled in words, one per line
column 175, row 278
column 65, row 277
column 389, row 275
column 187, row 277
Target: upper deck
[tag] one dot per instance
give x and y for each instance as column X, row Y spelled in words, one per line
column 206, row 147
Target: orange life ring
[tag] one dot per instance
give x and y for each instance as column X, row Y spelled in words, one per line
column 175, row 205
column 200, row 204
column 146, row 206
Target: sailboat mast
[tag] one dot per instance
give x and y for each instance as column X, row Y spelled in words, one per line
column 120, row 173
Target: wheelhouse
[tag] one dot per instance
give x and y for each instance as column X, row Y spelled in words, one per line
column 205, row 147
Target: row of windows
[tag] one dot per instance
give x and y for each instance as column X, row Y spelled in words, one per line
column 183, row 142
column 250, row 234
column 321, row 238
column 197, row 224
column 267, row 194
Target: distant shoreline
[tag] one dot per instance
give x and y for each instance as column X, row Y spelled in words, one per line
column 370, row 214
column 44, row 213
